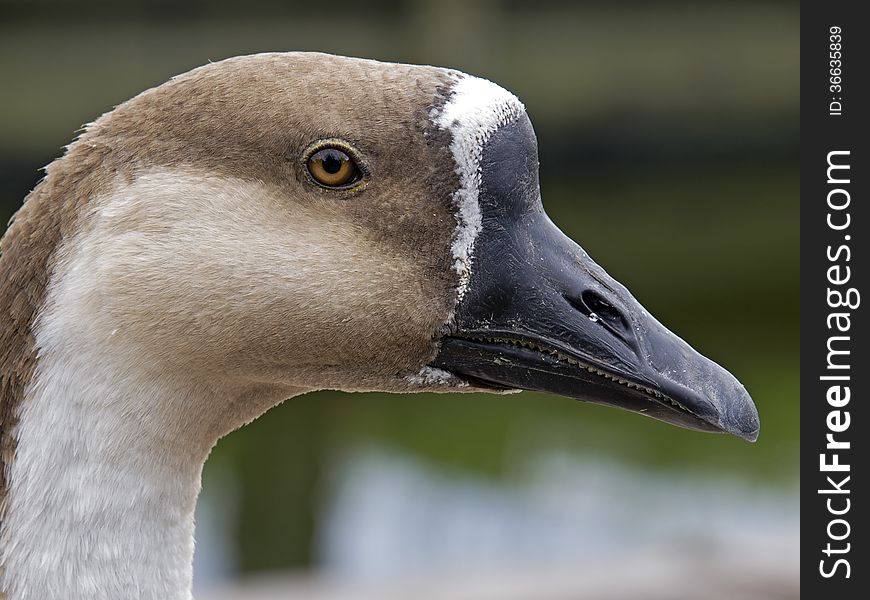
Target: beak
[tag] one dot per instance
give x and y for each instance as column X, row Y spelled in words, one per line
column 537, row 313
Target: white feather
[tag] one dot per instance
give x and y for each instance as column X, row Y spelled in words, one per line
column 475, row 110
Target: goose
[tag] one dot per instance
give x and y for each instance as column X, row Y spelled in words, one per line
column 262, row 227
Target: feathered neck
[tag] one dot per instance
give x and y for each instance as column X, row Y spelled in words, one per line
column 27, row 259
column 102, row 449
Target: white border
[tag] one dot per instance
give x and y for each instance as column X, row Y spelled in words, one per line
column 476, row 109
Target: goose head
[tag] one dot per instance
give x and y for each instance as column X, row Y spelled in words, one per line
column 315, row 222
column 273, row 224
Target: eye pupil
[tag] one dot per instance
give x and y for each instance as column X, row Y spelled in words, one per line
column 331, row 167
column 332, row 163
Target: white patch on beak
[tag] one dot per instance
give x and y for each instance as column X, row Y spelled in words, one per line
column 475, row 110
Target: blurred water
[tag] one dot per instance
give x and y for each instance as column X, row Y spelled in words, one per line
column 392, row 514
column 388, row 517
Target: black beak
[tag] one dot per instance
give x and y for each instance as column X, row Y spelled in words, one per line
column 539, row 314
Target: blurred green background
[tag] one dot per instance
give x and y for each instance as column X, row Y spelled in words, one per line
column 668, row 136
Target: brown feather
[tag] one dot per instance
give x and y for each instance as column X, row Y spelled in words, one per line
column 247, row 118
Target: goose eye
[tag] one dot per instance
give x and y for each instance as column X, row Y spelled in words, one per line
column 333, row 168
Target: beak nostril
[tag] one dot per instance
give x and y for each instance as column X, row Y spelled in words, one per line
column 600, row 310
